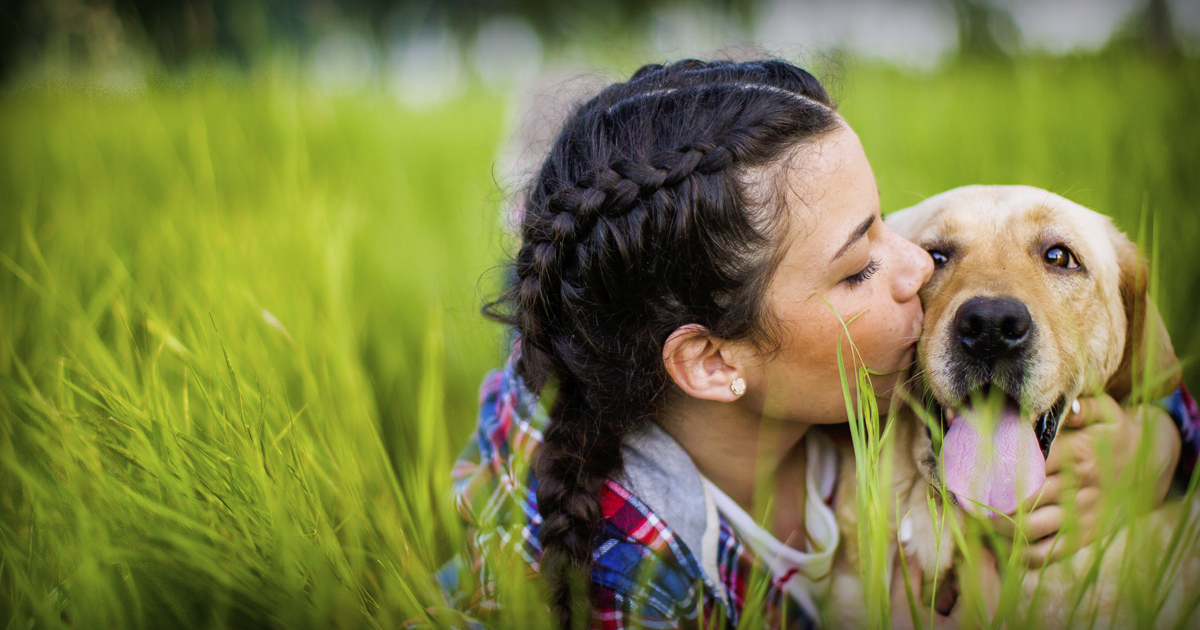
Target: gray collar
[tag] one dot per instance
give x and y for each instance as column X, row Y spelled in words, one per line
column 660, row 473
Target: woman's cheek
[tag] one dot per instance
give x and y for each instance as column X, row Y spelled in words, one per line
column 883, row 325
column 867, row 308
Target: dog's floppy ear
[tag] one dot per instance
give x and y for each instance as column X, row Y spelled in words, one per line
column 1148, row 360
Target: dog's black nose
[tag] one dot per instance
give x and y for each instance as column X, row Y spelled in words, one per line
column 991, row 328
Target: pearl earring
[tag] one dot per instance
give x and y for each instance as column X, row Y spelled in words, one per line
column 738, row 386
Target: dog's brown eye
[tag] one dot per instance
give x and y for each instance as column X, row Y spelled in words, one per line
column 939, row 258
column 1060, row 256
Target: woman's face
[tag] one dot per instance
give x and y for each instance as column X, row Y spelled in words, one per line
column 838, row 256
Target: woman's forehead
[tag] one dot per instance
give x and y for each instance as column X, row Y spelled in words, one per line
column 830, row 194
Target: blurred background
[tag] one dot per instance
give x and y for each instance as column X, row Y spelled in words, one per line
column 243, row 246
column 509, row 41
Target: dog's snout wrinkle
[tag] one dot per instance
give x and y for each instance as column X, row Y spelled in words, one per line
column 990, row 328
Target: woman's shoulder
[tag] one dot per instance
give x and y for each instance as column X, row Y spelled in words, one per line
column 488, row 475
column 655, row 528
column 641, row 569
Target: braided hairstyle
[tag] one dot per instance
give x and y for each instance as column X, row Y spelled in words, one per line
column 644, row 217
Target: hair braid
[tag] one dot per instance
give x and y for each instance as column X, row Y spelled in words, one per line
column 638, row 223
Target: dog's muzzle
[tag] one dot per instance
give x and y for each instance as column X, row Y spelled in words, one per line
column 992, row 338
column 993, row 452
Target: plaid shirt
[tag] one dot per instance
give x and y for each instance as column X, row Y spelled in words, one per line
column 642, row 574
column 1184, row 411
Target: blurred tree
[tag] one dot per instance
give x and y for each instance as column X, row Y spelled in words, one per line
column 1150, row 28
column 179, row 30
column 985, row 31
column 88, row 31
column 14, row 34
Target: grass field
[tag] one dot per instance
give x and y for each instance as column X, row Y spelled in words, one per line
column 239, row 340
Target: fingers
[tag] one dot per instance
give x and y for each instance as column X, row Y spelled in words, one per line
column 1039, row 529
column 1049, row 512
column 1046, row 551
column 1050, row 494
column 1054, row 548
column 1044, row 521
column 1055, row 459
column 1044, row 527
column 1089, row 411
column 1071, row 446
column 1074, row 451
column 1083, row 413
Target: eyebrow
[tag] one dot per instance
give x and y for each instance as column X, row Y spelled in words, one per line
column 857, row 234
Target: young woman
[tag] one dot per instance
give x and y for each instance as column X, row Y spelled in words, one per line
column 687, row 247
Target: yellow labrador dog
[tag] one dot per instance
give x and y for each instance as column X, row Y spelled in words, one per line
column 1034, row 301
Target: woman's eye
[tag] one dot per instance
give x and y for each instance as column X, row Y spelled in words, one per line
column 1060, row 256
column 862, row 276
column 939, row 258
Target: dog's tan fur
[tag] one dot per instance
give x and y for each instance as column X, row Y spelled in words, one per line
column 1093, row 329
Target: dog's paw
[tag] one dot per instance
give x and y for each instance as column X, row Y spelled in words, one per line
column 925, row 532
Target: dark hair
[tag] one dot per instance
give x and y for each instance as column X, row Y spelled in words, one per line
column 642, row 220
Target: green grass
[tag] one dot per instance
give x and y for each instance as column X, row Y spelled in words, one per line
column 236, row 322
column 239, row 340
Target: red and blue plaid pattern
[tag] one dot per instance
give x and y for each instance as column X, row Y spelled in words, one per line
column 1183, row 410
column 642, row 574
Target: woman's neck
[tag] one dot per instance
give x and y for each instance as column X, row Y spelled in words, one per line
column 738, row 450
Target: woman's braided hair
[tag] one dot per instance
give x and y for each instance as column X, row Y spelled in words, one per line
column 641, row 220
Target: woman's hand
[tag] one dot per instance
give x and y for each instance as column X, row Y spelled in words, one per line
column 1096, row 443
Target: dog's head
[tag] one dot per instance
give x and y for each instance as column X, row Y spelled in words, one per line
column 1034, row 300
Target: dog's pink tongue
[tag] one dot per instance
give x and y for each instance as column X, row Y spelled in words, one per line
column 998, row 471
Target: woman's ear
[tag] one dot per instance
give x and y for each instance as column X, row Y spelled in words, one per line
column 702, row 365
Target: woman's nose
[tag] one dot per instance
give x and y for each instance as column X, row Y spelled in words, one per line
column 915, row 269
